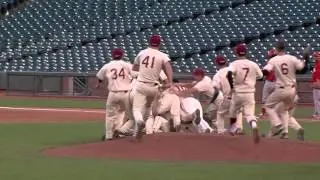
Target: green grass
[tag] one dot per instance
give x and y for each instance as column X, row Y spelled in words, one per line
column 20, row 158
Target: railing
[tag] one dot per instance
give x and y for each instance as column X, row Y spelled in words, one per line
column 83, row 84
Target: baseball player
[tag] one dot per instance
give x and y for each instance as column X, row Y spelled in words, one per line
column 204, row 85
column 316, row 85
column 220, row 79
column 282, row 99
column 148, row 63
column 190, row 111
column 269, row 83
column 242, row 76
column 117, row 74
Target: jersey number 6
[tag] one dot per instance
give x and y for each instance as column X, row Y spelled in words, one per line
column 146, row 62
column 284, row 68
column 115, row 74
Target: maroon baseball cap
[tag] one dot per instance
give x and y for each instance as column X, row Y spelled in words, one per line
column 271, row 53
column 117, row 53
column 220, row 60
column 155, row 40
column 198, row 72
column 241, row 49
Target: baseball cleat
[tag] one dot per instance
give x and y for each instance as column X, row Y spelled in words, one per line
column 284, row 136
column 240, row 132
column 255, row 134
column 300, row 134
column 139, row 132
column 197, row 119
column 277, row 130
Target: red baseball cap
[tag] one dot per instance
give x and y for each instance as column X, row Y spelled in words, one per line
column 155, row 40
column 117, row 53
column 316, row 54
column 198, row 72
column 220, row 60
column 271, row 53
column 241, row 49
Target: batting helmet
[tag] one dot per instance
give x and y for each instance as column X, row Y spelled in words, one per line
column 198, row 72
column 220, row 60
column 271, row 53
column 117, row 53
column 241, row 49
column 155, row 40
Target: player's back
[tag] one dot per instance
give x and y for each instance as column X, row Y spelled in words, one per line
column 220, row 79
column 285, row 67
column 245, row 74
column 151, row 62
column 118, row 74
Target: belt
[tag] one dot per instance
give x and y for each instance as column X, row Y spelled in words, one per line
column 152, row 83
column 119, row 91
column 215, row 95
column 292, row 86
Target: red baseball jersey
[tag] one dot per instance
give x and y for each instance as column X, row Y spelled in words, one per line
column 316, row 72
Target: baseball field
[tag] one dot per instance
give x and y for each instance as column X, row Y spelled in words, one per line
column 59, row 139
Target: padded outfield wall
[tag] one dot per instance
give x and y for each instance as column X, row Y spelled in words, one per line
column 83, row 84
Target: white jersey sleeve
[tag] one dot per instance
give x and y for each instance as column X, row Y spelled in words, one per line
column 151, row 62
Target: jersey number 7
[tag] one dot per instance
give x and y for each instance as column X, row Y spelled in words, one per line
column 246, row 73
column 146, row 62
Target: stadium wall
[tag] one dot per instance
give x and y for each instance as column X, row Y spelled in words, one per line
column 83, row 84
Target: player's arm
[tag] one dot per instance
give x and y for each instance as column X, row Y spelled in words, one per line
column 267, row 69
column 305, row 64
column 136, row 64
column 100, row 77
column 167, row 68
column 230, row 76
column 259, row 72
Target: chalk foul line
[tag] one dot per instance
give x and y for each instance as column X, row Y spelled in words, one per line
column 54, row 109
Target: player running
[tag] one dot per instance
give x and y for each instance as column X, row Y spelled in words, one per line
column 281, row 100
column 148, row 63
column 242, row 76
column 221, row 81
column 117, row 74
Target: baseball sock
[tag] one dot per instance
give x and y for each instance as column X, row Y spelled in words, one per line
column 253, row 124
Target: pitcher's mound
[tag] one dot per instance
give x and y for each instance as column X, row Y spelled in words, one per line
column 195, row 147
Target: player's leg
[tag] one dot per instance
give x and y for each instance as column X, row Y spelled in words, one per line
column 127, row 128
column 249, row 113
column 138, row 108
column 110, row 116
column 175, row 112
column 161, row 125
column 223, row 114
column 239, row 123
column 316, row 98
column 235, row 106
column 272, row 109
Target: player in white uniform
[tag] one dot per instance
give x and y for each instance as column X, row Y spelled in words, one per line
column 220, row 79
column 117, row 74
column 281, row 100
column 242, row 76
column 189, row 110
column 205, row 87
column 148, row 63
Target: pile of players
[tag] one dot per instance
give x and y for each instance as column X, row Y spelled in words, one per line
column 144, row 98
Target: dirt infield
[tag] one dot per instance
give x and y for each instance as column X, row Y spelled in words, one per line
column 193, row 147
column 43, row 115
